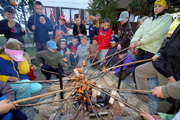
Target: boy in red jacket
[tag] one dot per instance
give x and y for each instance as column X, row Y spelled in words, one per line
column 104, row 38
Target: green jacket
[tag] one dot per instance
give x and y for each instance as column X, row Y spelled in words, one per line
column 51, row 58
column 152, row 33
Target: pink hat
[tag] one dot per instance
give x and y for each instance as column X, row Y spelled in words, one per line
column 62, row 18
column 16, row 55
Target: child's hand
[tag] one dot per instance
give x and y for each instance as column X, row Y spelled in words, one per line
column 6, row 106
column 11, row 23
column 65, row 59
column 13, row 79
column 40, row 64
column 42, row 20
column 146, row 116
column 67, row 53
column 79, row 35
column 22, row 30
column 65, row 65
column 112, row 72
column 119, row 47
column 33, row 67
column 155, row 57
column 75, row 56
column 33, row 27
column 87, row 53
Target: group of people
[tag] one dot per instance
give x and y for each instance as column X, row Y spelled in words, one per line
column 102, row 42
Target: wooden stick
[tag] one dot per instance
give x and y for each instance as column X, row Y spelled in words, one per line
column 107, row 57
column 44, row 81
column 43, row 95
column 129, row 64
column 34, row 20
column 95, row 87
column 128, row 90
column 28, row 105
column 51, row 72
column 79, row 110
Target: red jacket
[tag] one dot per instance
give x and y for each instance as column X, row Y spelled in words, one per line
column 104, row 38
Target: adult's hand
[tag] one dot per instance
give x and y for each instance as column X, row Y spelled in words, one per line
column 158, row 92
column 171, row 79
column 6, row 106
column 119, row 47
column 33, row 27
column 133, row 45
column 155, row 57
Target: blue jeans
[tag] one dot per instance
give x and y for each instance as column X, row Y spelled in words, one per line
column 40, row 46
column 49, row 68
column 72, row 60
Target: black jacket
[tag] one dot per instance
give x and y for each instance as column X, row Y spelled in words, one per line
column 113, row 60
column 125, row 30
column 11, row 32
column 82, row 30
column 169, row 62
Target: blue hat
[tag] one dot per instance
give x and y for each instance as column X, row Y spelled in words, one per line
column 113, row 39
column 51, row 44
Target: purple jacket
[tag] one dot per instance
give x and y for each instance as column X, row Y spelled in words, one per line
column 129, row 67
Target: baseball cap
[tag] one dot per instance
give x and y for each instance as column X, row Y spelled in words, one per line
column 113, row 39
column 123, row 16
column 62, row 18
column 51, row 44
column 83, row 37
column 95, row 38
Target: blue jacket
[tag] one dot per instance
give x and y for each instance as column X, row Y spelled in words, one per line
column 41, row 32
column 59, row 28
column 93, row 31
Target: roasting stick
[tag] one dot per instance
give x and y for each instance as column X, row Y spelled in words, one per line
column 110, row 59
column 128, row 90
column 43, row 95
column 140, row 61
column 99, row 89
column 107, row 57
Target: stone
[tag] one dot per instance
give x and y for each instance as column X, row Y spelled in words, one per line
column 108, row 81
column 57, row 97
column 45, row 110
column 53, row 88
column 133, row 85
column 40, row 117
column 123, row 85
column 133, row 101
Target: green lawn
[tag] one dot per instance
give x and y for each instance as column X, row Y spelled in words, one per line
column 31, row 51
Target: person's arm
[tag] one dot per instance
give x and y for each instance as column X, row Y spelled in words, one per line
column 157, row 32
column 4, row 28
column 83, row 31
column 7, row 90
column 24, row 68
column 6, row 106
column 39, row 56
column 75, row 33
column 66, row 33
column 48, row 25
column 30, row 23
column 106, row 40
column 60, row 59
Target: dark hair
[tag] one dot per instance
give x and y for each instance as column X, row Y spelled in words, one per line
column 125, row 51
column 106, row 20
column 102, row 21
column 76, row 16
column 74, row 37
column 39, row 3
column 9, row 9
column 94, row 22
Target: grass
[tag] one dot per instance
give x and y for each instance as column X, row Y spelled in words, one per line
column 31, row 51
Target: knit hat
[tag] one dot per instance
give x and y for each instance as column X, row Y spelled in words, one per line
column 83, row 37
column 95, row 38
column 123, row 16
column 51, row 44
column 164, row 3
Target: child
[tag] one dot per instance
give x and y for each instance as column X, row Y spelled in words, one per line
column 93, row 52
column 93, row 31
column 83, row 51
column 14, row 68
column 65, row 53
column 149, row 39
column 41, row 28
column 113, row 49
column 74, row 58
column 79, row 29
column 9, row 27
column 124, row 30
column 98, row 17
column 104, row 38
column 51, row 58
column 126, row 69
column 101, row 24
column 60, row 30
column 8, row 111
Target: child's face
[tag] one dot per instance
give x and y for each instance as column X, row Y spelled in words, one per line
column 74, row 42
column 106, row 25
column 63, row 45
column 9, row 16
column 113, row 44
column 39, row 9
column 98, row 18
column 61, row 22
column 84, row 42
column 51, row 50
column 77, row 21
column 121, row 56
column 158, row 8
column 94, row 42
column 123, row 22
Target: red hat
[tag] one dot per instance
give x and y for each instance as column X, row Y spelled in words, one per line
column 95, row 38
column 62, row 18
